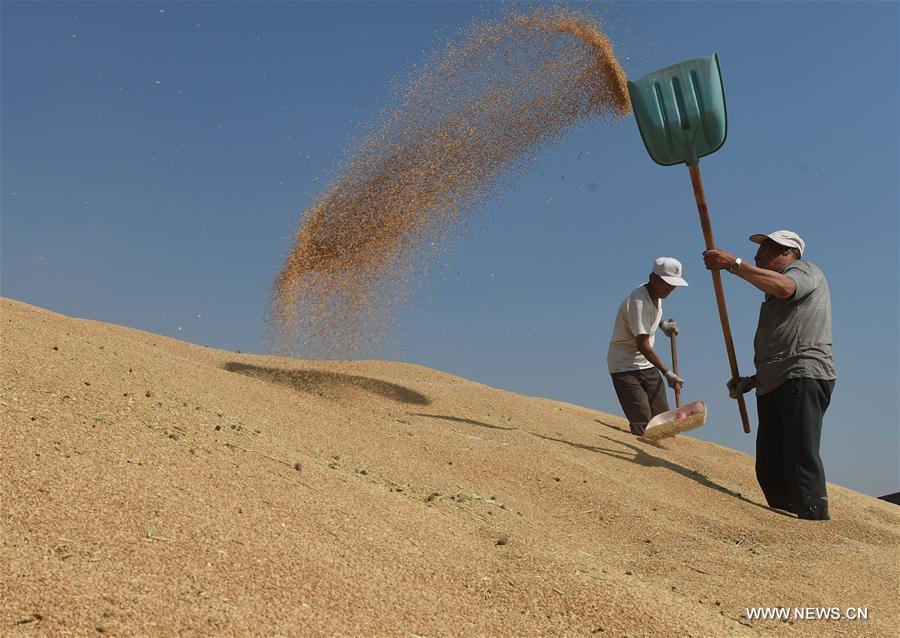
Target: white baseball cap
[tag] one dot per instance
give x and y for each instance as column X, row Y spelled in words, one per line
column 784, row 237
column 669, row 270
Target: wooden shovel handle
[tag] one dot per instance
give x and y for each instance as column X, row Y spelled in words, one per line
column 699, row 195
column 675, row 370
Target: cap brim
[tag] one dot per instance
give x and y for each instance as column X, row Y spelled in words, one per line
column 673, row 281
column 759, row 238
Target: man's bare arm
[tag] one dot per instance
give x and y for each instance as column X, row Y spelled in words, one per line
column 644, row 347
column 770, row 282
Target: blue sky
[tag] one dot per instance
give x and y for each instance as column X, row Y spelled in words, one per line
column 156, row 158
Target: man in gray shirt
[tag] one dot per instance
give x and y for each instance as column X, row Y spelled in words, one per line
column 795, row 373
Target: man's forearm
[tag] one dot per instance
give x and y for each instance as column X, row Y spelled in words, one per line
column 652, row 357
column 770, row 282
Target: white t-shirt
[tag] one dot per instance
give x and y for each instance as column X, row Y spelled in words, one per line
column 637, row 315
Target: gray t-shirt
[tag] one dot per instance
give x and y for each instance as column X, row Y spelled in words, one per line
column 793, row 338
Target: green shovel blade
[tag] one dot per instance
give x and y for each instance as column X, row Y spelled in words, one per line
column 680, row 110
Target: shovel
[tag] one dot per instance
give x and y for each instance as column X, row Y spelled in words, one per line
column 675, row 369
column 672, row 422
column 681, row 419
column 680, row 111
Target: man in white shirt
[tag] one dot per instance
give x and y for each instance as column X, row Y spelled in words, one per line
column 637, row 371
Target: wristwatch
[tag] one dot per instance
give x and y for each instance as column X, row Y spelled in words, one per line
column 735, row 266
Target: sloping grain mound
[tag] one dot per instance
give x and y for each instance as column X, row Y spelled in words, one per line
column 152, row 487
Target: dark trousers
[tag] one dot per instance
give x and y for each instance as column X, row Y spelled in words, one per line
column 642, row 395
column 788, row 466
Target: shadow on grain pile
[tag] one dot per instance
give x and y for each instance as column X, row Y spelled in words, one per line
column 457, row 419
column 641, row 457
column 329, row 384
